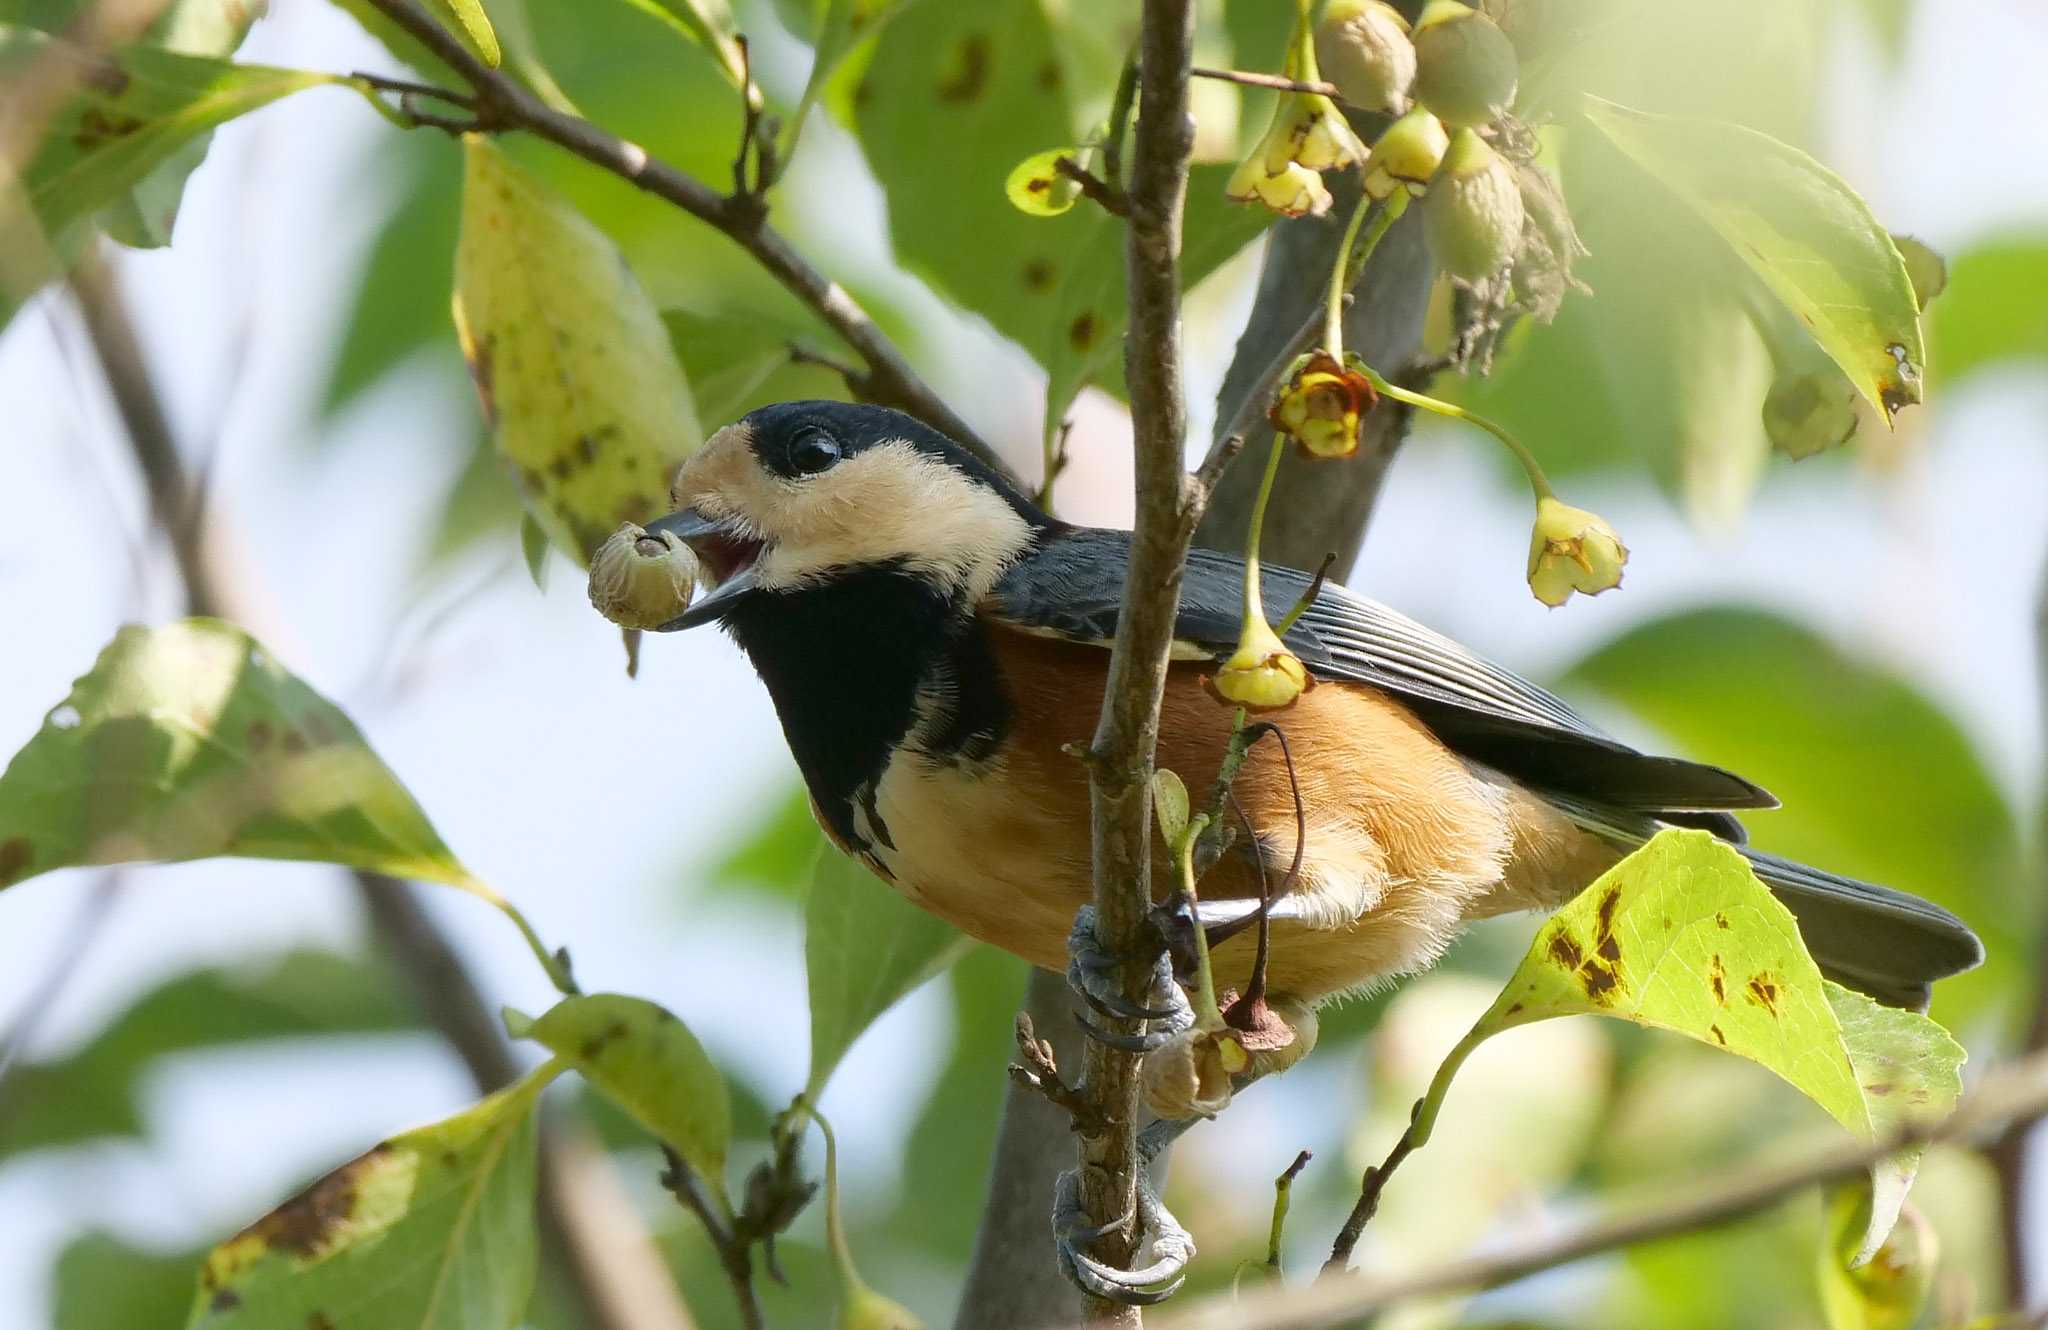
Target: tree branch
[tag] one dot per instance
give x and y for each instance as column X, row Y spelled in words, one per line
column 2017, row 1093
column 502, row 103
column 1120, row 758
column 2010, row 1155
column 441, row 984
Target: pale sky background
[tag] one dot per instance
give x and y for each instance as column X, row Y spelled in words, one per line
column 527, row 746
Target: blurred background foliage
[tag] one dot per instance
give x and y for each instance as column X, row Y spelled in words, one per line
column 1653, row 381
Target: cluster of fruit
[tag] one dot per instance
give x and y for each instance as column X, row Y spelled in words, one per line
column 1449, row 80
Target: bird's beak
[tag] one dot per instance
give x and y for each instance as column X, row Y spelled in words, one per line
column 725, row 556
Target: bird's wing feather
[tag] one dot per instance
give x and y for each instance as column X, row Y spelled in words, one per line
column 1071, row 586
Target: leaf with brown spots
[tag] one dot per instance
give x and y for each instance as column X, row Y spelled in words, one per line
column 957, row 95
column 123, row 131
column 647, row 1062
column 431, row 1230
column 1655, row 941
column 1809, row 237
column 1910, row 1071
column 579, row 383
column 190, row 741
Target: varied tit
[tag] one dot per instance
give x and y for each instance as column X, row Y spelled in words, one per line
column 933, row 643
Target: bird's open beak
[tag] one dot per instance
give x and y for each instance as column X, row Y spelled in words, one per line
column 726, row 557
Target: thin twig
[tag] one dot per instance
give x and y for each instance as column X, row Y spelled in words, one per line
column 1093, row 186
column 504, row 103
column 2016, row 1092
column 1274, row 81
column 1369, row 1190
column 1040, row 1071
column 1120, row 757
column 682, row 1181
column 1120, row 122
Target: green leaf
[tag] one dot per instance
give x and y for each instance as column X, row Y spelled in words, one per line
column 708, row 23
column 1910, row 1071
column 431, row 1230
column 864, row 947
column 990, row 80
column 96, row 1092
column 647, row 1062
column 117, row 119
column 189, row 741
column 1682, row 936
column 475, row 27
column 1806, row 234
column 533, row 548
column 1991, row 313
column 842, row 24
column 571, row 361
column 102, row 1283
column 1170, row 805
column 1877, row 781
column 1886, row 1291
column 399, row 299
column 143, row 216
column 777, row 851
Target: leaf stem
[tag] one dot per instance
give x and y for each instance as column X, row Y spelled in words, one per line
column 556, row 963
column 1344, row 274
column 1538, row 482
column 1254, row 605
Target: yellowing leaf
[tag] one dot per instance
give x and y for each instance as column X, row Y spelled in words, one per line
column 1804, row 232
column 864, row 947
column 1682, row 936
column 1037, row 187
column 647, row 1062
column 431, row 1230
column 572, row 363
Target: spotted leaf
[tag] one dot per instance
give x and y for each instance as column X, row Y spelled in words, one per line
column 646, row 1061
column 190, row 741
column 1682, row 936
column 573, row 366
column 431, row 1230
column 114, row 136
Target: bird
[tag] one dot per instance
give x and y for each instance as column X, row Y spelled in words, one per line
column 936, row 645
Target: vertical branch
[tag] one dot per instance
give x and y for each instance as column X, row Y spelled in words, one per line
column 2010, row 1153
column 440, row 983
column 1120, row 759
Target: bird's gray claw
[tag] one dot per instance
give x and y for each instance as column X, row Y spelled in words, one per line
column 1160, row 1237
column 1098, row 978
column 1147, row 1042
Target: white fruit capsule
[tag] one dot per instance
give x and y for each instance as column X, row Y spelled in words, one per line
column 642, row 580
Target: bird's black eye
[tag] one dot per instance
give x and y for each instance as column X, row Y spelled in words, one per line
column 813, row 451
